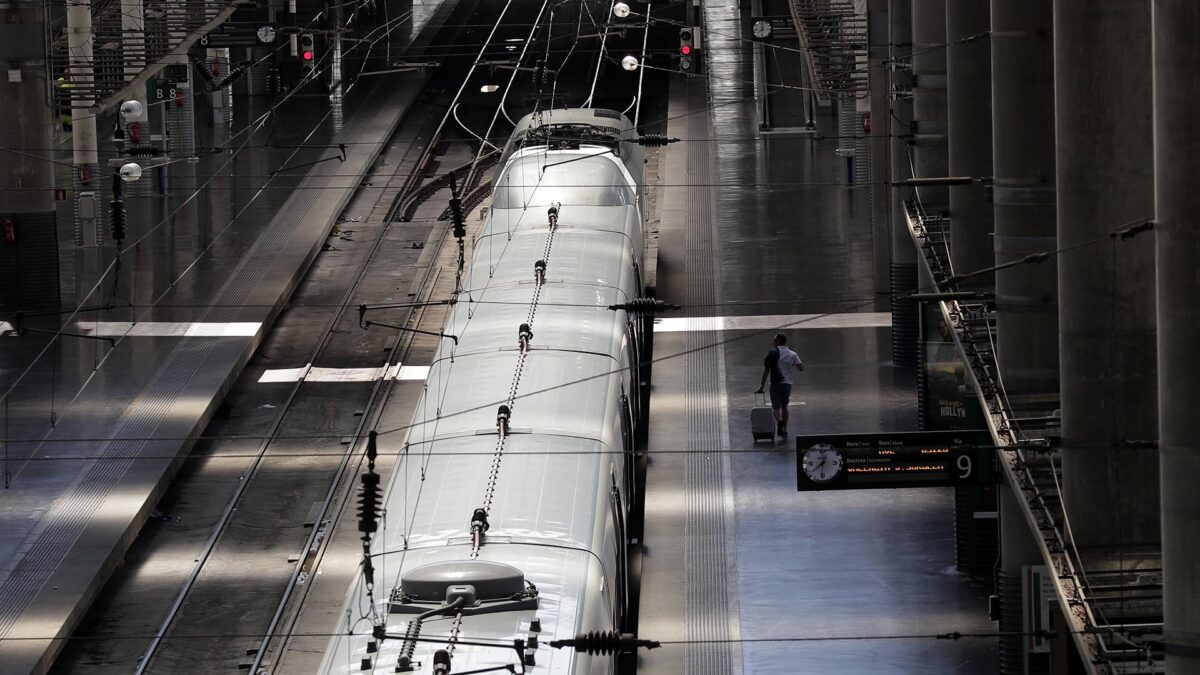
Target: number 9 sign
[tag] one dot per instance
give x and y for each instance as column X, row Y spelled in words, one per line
column 965, row 466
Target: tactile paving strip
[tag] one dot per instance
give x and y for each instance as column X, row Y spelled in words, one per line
column 710, row 616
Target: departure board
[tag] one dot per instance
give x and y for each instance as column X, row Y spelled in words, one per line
column 894, row 460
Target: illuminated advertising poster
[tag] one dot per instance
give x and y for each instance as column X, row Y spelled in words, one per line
column 948, row 398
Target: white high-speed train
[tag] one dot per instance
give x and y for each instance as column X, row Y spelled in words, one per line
column 552, row 471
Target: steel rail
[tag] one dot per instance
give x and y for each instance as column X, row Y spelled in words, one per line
column 248, row 476
column 413, row 177
column 354, row 449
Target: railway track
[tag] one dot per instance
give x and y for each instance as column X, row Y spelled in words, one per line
column 259, row 514
column 271, row 494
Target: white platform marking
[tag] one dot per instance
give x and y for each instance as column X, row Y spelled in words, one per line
column 773, row 321
column 310, row 374
column 169, row 328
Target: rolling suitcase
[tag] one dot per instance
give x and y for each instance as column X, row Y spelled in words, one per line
column 762, row 420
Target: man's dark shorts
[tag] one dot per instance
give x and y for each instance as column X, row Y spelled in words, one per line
column 780, row 393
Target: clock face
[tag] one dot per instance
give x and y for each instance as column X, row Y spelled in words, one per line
column 266, row 34
column 762, row 29
column 822, row 463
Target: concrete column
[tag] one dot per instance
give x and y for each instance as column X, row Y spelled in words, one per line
column 1106, row 290
column 133, row 45
column 904, row 254
column 1022, row 50
column 1176, row 142
column 969, row 117
column 930, row 157
column 878, row 84
column 29, row 261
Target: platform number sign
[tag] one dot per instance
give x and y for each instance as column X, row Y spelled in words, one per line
column 161, row 90
column 165, row 87
column 893, row 460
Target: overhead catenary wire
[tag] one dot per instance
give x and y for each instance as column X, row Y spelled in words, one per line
column 888, row 63
column 889, row 637
column 1123, row 232
column 406, row 450
column 114, row 267
column 492, row 404
column 256, row 125
column 950, row 635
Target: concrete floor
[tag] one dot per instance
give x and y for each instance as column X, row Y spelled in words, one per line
column 862, row 567
column 69, row 515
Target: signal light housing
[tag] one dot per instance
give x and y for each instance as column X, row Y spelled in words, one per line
column 308, row 54
column 689, row 50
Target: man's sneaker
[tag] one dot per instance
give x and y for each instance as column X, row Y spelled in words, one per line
column 782, row 431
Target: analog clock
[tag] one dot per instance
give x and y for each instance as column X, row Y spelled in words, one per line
column 266, row 34
column 822, row 463
column 762, row 29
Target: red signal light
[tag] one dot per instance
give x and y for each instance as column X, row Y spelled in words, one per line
column 686, row 50
column 308, row 55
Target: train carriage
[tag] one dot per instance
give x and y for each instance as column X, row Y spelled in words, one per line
column 528, row 419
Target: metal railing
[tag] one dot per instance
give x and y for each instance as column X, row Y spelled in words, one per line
column 1114, row 610
column 833, row 35
column 125, row 38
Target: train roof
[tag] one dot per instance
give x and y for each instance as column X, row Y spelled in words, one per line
column 598, row 117
column 569, row 317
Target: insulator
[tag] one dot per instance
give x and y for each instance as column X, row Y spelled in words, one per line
column 646, row 305
column 372, row 448
column 552, row 215
column 539, row 271
column 118, row 220
column 205, row 73
column 524, row 334
column 368, row 504
column 479, row 521
column 503, row 415
column 368, row 566
column 604, row 642
column 144, row 150
column 233, row 76
column 456, row 216
column 654, row 140
column 365, row 664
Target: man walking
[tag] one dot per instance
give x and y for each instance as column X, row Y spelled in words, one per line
column 778, row 367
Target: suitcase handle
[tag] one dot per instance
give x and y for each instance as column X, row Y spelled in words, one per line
column 760, row 397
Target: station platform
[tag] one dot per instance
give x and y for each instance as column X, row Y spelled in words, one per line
column 79, row 493
column 741, row 573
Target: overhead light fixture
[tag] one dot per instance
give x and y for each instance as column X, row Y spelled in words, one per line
column 620, row 10
column 629, row 63
column 489, row 88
